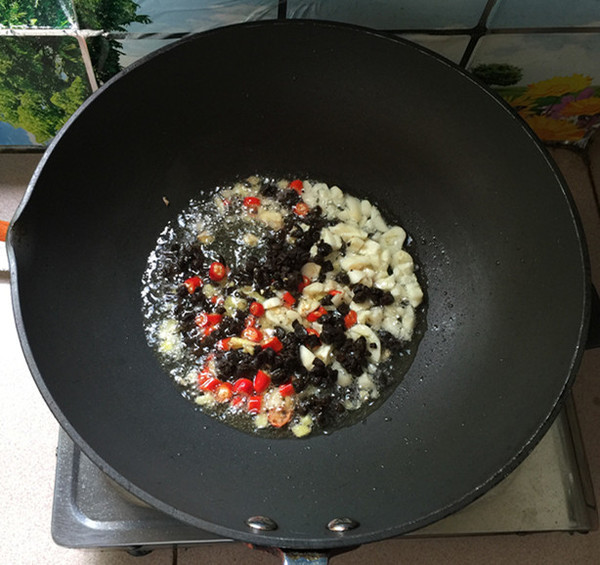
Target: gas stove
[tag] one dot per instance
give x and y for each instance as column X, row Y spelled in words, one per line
column 550, row 491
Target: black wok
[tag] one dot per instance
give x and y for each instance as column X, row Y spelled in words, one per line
column 494, row 229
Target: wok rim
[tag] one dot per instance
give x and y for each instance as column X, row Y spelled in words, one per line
column 352, row 538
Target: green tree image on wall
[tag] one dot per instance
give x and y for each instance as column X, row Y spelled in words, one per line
column 498, row 74
column 42, row 79
column 41, row 83
column 30, row 13
column 107, row 15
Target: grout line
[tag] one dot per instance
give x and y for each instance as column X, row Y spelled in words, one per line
column 48, row 32
column 282, row 10
column 87, row 62
column 479, row 31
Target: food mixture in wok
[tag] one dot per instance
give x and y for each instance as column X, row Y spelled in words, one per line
column 282, row 308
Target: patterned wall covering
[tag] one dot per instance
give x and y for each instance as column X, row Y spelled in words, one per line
column 539, row 55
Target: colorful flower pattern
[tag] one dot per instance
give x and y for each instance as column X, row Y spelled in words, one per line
column 560, row 109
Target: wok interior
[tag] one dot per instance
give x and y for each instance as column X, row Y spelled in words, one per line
column 502, row 262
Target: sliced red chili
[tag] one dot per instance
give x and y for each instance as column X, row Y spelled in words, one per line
column 297, row 185
column 192, row 284
column 223, row 344
column 254, row 404
column 252, row 334
column 238, row 401
column 244, row 386
column 214, row 319
column 257, row 309
column 208, row 330
column 217, row 271
column 210, row 384
column 224, row 392
column 313, row 332
column 251, row 202
column 316, row 314
column 205, row 319
column 203, row 376
column 334, row 292
column 289, row 299
column 305, row 282
column 261, row 382
column 287, row 389
column 273, row 343
column 301, row 209
column 350, row 319
column 201, row 320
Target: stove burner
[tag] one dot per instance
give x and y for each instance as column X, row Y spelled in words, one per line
column 550, row 491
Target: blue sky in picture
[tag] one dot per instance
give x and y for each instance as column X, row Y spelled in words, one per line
column 14, row 136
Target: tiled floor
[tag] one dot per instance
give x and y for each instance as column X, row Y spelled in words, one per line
column 29, row 432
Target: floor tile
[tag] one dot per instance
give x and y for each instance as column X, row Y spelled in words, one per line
column 193, row 16
column 575, row 171
column 555, row 86
column 401, row 14
column 544, row 13
column 451, row 47
column 16, row 170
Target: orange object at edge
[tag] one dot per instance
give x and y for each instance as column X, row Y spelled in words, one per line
column 3, row 230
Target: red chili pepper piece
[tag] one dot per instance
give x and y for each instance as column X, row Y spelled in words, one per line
column 208, row 330
column 297, row 185
column 217, row 271
column 210, row 384
column 305, row 282
column 289, row 299
column 201, row 320
column 203, row 376
column 238, row 401
column 243, row 386
column 273, row 343
column 301, row 209
column 287, row 389
column 252, row 334
column 223, row 344
column 334, row 292
column 316, row 314
column 261, row 382
column 254, row 404
column 257, row 309
column 251, row 202
column 214, row 319
column 205, row 319
column 192, row 284
column 224, row 392
column 313, row 332
column 350, row 319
